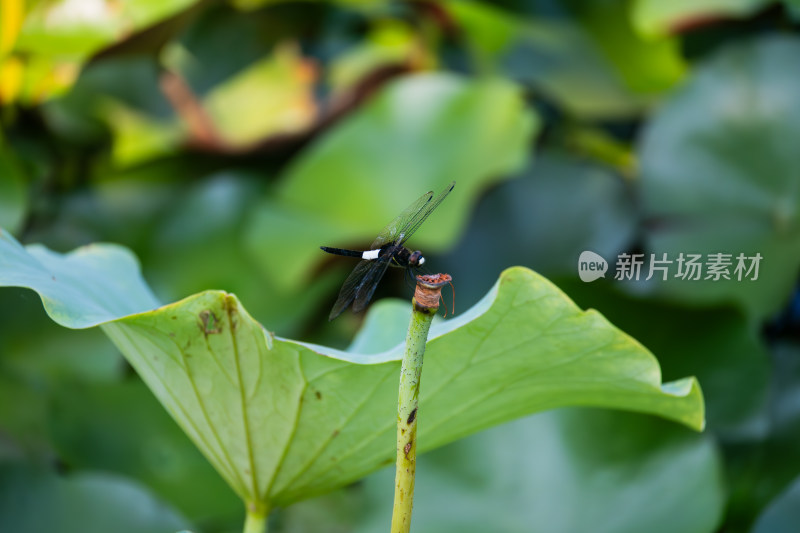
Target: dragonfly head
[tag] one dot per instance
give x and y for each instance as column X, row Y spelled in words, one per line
column 416, row 260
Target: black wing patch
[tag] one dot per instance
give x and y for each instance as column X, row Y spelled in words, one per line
column 356, row 286
column 367, row 287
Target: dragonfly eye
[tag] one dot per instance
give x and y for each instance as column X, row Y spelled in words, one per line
column 416, row 259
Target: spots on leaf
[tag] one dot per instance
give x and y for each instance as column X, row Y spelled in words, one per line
column 209, row 323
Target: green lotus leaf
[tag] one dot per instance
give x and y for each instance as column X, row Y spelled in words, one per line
column 282, row 420
column 587, row 57
column 56, row 39
column 726, row 137
column 367, row 169
column 654, row 17
column 89, row 286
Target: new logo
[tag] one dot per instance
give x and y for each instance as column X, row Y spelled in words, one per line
column 591, row 266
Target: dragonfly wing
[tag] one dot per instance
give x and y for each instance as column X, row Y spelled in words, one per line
column 348, row 291
column 367, row 287
column 419, row 217
column 392, row 230
column 360, row 285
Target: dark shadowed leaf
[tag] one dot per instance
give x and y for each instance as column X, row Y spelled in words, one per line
column 719, row 175
column 564, row 471
column 121, row 428
column 33, row 500
column 783, row 514
column 13, row 192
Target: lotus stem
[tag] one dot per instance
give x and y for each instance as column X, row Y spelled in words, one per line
column 256, row 521
column 425, row 303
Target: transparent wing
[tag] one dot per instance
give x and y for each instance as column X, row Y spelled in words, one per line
column 367, row 287
column 418, row 218
column 395, row 227
column 364, row 271
column 360, row 285
column 348, row 291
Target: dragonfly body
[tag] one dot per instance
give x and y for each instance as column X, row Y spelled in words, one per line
column 398, row 255
column 386, row 250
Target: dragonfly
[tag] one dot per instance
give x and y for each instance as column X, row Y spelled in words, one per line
column 388, row 249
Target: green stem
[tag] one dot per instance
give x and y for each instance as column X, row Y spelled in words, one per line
column 407, row 402
column 256, row 522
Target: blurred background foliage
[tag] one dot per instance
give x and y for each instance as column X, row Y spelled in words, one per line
column 225, row 141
